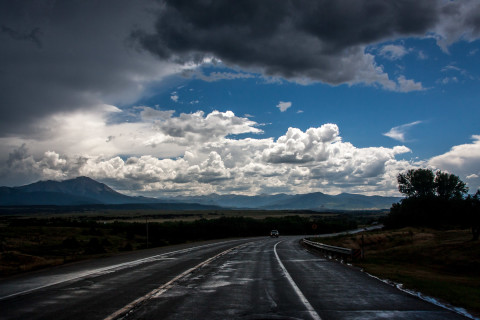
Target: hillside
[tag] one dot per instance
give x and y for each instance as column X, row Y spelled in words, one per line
column 78, row 191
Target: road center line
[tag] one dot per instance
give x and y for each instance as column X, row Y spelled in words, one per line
column 297, row 290
column 163, row 288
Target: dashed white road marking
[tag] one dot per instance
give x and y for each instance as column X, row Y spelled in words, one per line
column 297, row 290
column 306, row 260
column 273, row 304
column 163, row 288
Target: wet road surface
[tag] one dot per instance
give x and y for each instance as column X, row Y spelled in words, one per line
column 242, row 279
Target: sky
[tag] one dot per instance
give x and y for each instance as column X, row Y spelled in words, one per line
column 169, row 98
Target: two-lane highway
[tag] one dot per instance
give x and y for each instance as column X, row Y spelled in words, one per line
column 243, row 279
column 279, row 279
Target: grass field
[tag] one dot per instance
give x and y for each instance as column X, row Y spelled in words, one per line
column 444, row 264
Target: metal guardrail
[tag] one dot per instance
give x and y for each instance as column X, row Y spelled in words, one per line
column 335, row 251
column 327, row 247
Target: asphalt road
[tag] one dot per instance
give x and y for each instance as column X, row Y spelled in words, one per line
column 258, row 278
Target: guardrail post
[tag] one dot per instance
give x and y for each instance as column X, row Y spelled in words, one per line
column 362, row 248
column 356, row 254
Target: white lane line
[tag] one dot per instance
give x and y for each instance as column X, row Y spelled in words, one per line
column 297, row 290
column 57, row 279
column 163, row 288
column 306, row 260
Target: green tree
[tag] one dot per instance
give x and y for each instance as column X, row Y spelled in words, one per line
column 434, row 200
column 417, row 183
column 449, row 186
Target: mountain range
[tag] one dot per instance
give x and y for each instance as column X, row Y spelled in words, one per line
column 310, row 201
column 85, row 191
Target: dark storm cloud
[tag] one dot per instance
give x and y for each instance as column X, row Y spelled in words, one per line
column 463, row 21
column 31, row 36
column 17, row 155
column 60, row 56
column 320, row 40
column 345, row 23
column 470, row 18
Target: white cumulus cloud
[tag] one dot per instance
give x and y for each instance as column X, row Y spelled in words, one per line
column 283, row 106
column 393, row 52
column 462, row 160
column 398, row 133
column 198, row 153
column 174, row 97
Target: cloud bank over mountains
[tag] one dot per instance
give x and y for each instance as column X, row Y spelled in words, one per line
column 198, row 153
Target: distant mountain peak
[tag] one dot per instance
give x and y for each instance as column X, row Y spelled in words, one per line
column 87, row 182
column 73, row 185
column 83, row 178
column 84, row 188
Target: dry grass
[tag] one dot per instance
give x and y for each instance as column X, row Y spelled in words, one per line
column 441, row 264
column 35, row 247
column 13, row 262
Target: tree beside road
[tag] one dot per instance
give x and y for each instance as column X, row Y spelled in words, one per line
column 434, row 199
column 423, row 183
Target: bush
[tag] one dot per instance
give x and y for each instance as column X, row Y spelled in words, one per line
column 94, row 246
column 71, row 243
column 429, row 212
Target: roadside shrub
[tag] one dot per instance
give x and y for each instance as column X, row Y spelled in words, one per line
column 429, row 212
column 94, row 246
column 71, row 243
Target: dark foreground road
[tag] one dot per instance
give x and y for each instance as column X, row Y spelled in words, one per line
column 242, row 279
